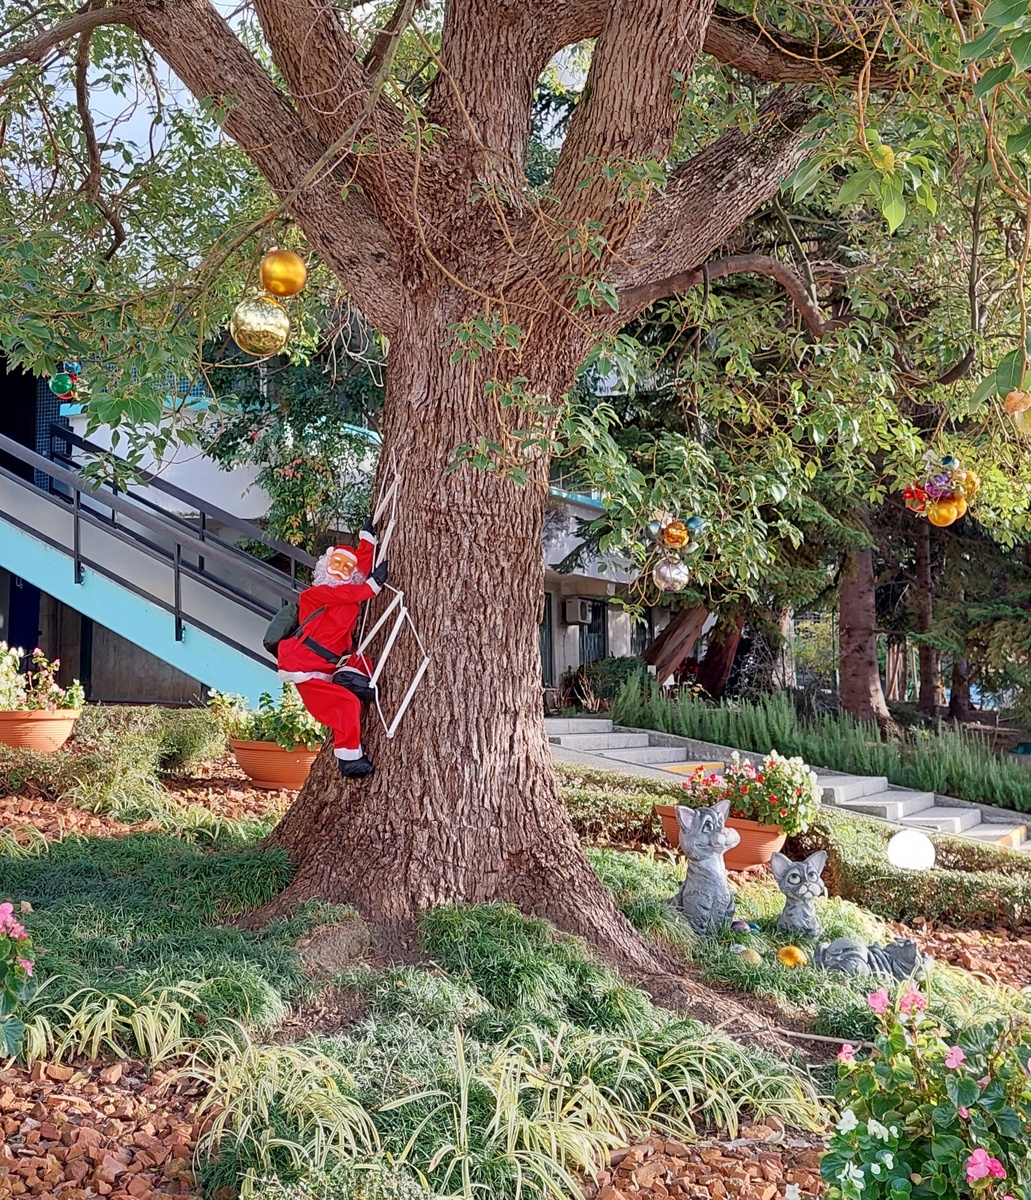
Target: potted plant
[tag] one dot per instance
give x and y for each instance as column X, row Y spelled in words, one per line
column 768, row 804
column 36, row 713
column 275, row 744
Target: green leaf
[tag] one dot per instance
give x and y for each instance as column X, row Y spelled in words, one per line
column 1020, row 48
column 893, row 206
column 1019, row 142
column 962, row 1091
column 805, row 178
column 987, row 387
column 990, row 80
column 980, row 46
column 856, row 185
column 12, row 1031
column 1009, row 374
column 1004, row 12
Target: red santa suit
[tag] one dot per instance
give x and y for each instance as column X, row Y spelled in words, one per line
column 328, row 613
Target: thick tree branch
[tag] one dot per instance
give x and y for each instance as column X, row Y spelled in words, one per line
column 711, row 194
column 647, row 294
column 212, row 62
column 91, row 185
column 36, row 48
column 629, row 113
column 734, row 39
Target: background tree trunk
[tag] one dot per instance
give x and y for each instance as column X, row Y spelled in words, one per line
column 667, row 651
column 896, row 679
column 927, row 701
column 862, row 696
column 715, row 668
column 960, row 707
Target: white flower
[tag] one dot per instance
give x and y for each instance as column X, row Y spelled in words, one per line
column 792, row 1192
column 894, row 1131
column 854, row 1175
column 848, row 1122
column 877, row 1130
column 889, row 1159
column 875, row 1168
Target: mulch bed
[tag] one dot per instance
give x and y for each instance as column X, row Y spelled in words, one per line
column 761, row 1165
column 995, row 956
column 56, row 820
column 77, row 1132
column 222, row 788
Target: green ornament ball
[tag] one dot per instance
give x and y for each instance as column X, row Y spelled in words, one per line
column 61, row 384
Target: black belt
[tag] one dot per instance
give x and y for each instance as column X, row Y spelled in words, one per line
column 317, row 648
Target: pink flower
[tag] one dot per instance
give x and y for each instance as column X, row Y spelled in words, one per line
column 981, row 1164
column 879, row 1001
column 984, row 1081
column 964, row 1112
column 955, row 1058
column 26, row 966
column 847, row 1054
column 913, row 1002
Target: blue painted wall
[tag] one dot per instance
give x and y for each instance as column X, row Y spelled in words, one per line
column 198, row 655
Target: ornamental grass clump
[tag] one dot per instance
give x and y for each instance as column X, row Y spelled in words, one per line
column 781, row 791
column 929, row 1114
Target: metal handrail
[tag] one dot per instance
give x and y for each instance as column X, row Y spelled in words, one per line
column 179, row 537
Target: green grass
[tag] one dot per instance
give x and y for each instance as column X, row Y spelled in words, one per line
column 950, row 762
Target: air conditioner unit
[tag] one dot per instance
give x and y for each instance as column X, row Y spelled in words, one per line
column 578, row 612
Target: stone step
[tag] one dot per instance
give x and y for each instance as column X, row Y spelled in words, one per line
column 1007, row 837
column 602, row 741
column 894, row 805
column 648, row 754
column 946, row 820
column 561, row 725
column 839, row 788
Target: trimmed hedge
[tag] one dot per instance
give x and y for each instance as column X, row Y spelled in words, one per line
column 973, row 886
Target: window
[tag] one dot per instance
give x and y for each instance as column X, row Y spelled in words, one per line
column 594, row 638
column 643, row 631
column 547, row 637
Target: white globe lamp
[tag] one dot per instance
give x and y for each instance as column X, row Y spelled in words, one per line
column 911, row 850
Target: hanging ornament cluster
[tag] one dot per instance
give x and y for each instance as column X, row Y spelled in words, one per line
column 673, row 537
column 1018, row 406
column 65, row 383
column 260, row 325
column 945, row 491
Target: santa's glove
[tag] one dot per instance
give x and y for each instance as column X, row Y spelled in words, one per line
column 378, row 576
column 369, row 528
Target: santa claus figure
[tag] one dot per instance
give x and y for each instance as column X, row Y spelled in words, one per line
column 319, row 658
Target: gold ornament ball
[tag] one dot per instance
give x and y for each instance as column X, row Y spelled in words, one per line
column 260, row 326
column 943, row 513
column 671, row 576
column 283, row 273
column 750, row 957
column 676, row 535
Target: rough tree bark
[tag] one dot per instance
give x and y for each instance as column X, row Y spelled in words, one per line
column 862, row 696
column 930, row 670
column 666, row 652
column 429, row 232
column 960, row 705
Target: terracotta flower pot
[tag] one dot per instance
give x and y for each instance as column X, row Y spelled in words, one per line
column 757, row 846
column 270, row 766
column 37, row 729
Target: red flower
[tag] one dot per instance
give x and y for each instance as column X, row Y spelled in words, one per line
column 773, row 799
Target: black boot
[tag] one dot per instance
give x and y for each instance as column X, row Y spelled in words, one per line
column 354, row 768
column 357, row 682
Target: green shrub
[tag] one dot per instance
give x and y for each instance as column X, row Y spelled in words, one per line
column 950, row 762
column 603, row 680
column 187, row 737
column 371, row 1179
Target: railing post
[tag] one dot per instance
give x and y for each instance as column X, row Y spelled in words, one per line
column 77, row 535
column 203, row 522
column 178, row 592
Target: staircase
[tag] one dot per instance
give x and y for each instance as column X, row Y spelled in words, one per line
column 592, row 741
column 178, row 586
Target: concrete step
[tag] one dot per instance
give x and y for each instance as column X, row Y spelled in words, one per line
column 602, row 741
column 648, row 754
column 1006, row 837
column 894, row 805
column 946, row 820
column 839, row 788
column 561, row 725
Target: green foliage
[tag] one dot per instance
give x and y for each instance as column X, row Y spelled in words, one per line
column 932, row 1114
column 949, row 762
column 16, row 983
column 287, row 723
column 780, row 791
column 603, row 680
column 364, row 1179
column 186, row 738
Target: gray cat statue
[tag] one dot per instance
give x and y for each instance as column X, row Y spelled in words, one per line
column 801, row 884
column 900, row 959
column 705, row 900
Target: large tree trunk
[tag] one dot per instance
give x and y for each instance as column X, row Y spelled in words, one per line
column 715, row 668
column 929, row 667
column 667, row 651
column 960, row 707
column 862, row 696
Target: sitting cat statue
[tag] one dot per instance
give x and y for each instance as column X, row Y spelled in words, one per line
column 900, row 959
column 801, row 884
column 705, row 899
